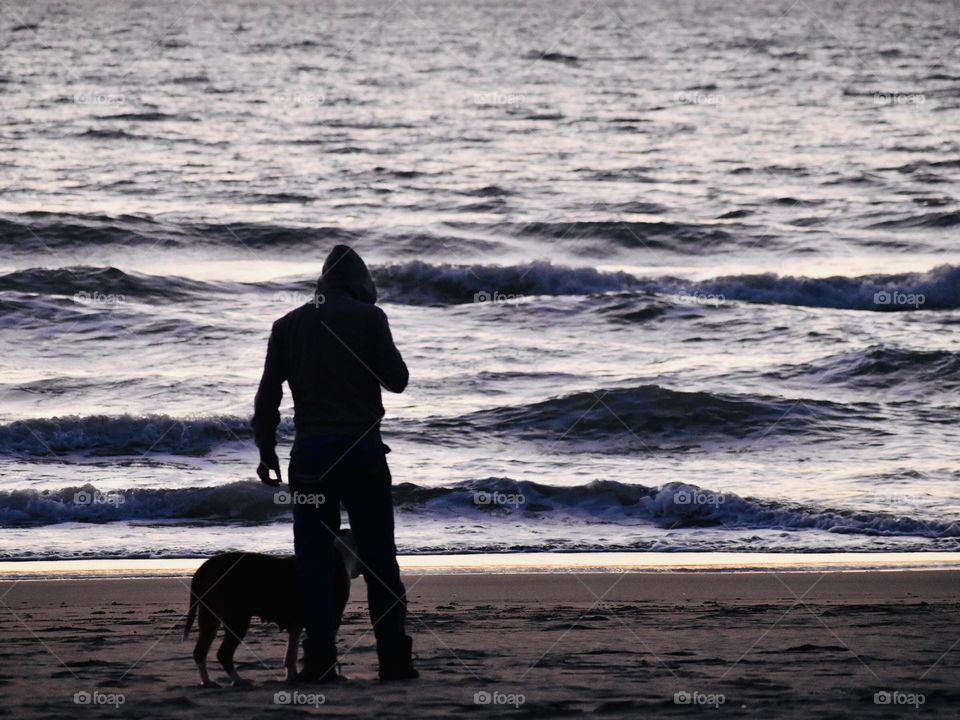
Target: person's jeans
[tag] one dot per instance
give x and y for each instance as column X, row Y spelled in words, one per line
column 354, row 472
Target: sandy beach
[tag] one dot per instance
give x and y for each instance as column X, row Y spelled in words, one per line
column 768, row 644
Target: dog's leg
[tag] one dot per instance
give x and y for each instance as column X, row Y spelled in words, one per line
column 290, row 658
column 234, row 630
column 207, row 624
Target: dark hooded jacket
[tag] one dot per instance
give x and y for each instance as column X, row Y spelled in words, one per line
column 335, row 353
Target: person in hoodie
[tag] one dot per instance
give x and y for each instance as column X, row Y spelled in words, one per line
column 335, row 353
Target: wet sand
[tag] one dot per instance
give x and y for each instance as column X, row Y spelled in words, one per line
column 634, row 644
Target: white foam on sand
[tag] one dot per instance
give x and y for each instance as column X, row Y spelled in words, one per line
column 512, row 563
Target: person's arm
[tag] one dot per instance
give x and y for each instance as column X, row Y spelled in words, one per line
column 388, row 363
column 266, row 409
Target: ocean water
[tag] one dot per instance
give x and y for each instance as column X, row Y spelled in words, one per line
column 668, row 276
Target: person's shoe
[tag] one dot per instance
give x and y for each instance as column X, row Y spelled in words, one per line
column 319, row 668
column 321, row 674
column 396, row 660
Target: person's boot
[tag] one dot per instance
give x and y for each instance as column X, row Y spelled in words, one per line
column 396, row 659
column 319, row 665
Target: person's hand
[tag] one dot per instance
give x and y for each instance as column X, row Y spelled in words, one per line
column 269, row 461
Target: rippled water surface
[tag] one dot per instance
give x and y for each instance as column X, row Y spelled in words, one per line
column 668, row 276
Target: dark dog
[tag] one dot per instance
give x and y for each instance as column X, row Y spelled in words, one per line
column 232, row 588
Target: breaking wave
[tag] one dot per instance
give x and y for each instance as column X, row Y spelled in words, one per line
column 674, row 505
column 102, row 435
column 417, row 282
column 650, row 417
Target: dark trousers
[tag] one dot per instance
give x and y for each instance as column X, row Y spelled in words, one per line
column 352, row 472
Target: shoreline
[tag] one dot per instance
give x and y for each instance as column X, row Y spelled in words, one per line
column 528, row 563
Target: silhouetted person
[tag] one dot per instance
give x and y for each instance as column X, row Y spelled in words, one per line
column 335, row 353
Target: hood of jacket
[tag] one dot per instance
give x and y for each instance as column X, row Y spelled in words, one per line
column 345, row 271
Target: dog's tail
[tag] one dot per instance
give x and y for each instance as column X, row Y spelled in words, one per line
column 194, row 602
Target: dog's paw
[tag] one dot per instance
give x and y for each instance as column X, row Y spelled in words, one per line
column 209, row 684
